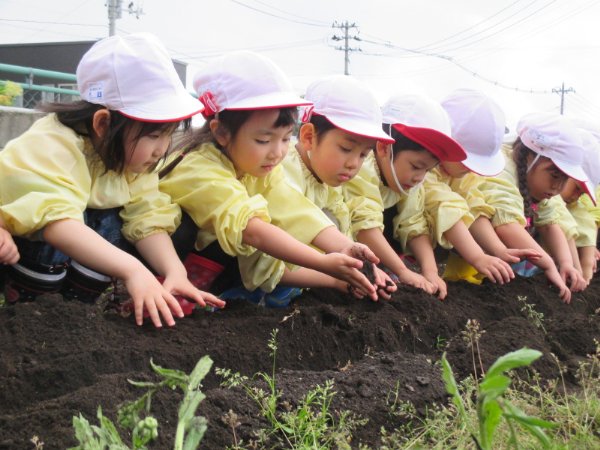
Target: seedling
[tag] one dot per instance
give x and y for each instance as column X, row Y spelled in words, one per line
column 537, row 318
column 190, row 428
column 471, row 336
column 311, row 424
column 492, row 406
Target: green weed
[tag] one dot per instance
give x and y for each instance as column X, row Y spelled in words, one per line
column 309, row 425
column 136, row 416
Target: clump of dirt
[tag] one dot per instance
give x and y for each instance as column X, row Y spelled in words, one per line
column 61, row 358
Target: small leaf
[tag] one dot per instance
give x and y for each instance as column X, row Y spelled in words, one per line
column 512, row 360
column 200, row 371
column 494, row 386
column 198, row 426
column 452, row 387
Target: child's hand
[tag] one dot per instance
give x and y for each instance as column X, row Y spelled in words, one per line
column 146, row 292
column 438, row 283
column 360, row 251
column 514, row 255
column 411, row 278
column 494, row 269
column 555, row 278
column 576, row 281
column 9, row 253
column 179, row 284
column 346, row 268
column 385, row 285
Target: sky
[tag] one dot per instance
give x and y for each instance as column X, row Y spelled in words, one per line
column 518, row 52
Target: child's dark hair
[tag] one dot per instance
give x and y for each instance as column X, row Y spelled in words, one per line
column 519, row 155
column 322, row 125
column 232, row 121
column 401, row 142
column 111, row 149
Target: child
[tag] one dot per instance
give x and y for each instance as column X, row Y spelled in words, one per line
column 478, row 124
column 227, row 178
column 338, row 133
column 65, row 182
column 422, row 132
column 584, row 222
column 546, row 154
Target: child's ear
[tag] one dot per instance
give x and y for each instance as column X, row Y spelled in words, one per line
column 219, row 133
column 382, row 149
column 307, row 136
column 101, row 122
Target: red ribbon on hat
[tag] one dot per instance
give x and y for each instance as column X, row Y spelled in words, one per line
column 307, row 114
column 210, row 104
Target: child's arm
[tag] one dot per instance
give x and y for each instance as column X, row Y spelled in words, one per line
column 308, row 278
column 574, row 255
column 279, row 244
column 157, row 249
column 9, row 253
column 514, row 235
column 484, row 234
column 555, row 240
column 377, row 242
column 421, row 247
column 87, row 247
column 493, row 268
column 587, row 257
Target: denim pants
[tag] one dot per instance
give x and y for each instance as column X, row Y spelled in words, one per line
column 106, row 222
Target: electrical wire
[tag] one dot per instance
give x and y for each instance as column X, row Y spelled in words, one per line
column 313, row 24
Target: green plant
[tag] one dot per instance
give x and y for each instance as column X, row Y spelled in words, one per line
column 310, row 425
column 492, row 406
column 190, row 428
column 537, row 318
column 471, row 336
column 8, row 91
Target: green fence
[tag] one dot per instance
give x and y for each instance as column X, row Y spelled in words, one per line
column 56, row 87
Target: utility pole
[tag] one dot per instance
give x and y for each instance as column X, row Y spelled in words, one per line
column 115, row 10
column 562, row 91
column 346, row 37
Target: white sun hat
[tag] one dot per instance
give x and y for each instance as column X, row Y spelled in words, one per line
column 424, row 121
column 348, row 104
column 135, row 76
column 555, row 137
column 244, row 80
column 478, row 124
column 591, row 162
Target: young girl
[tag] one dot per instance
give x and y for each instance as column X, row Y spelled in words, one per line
column 228, row 180
column 396, row 194
column 478, row 124
column 339, row 132
column 546, row 154
column 82, row 175
column 574, row 194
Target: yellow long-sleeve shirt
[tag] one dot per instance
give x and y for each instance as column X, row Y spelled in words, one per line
column 51, row 173
column 502, row 193
column 330, row 199
column 205, row 185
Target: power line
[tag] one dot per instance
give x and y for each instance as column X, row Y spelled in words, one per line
column 53, row 23
column 313, row 24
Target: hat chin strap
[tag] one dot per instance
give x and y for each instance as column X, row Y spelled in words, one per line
column 398, row 185
column 530, row 166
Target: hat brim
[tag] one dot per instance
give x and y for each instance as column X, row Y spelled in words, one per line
column 441, row 145
column 181, row 107
column 361, row 128
column 571, row 170
column 487, row 166
column 269, row 101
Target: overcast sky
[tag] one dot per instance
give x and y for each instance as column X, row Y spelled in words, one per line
column 506, row 48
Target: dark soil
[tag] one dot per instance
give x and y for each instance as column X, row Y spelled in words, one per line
column 60, row 359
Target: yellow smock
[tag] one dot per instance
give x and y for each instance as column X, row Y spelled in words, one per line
column 443, row 206
column 502, row 193
column 206, row 187
column 52, row 173
column 329, row 198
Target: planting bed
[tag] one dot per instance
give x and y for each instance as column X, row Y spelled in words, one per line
column 58, row 359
